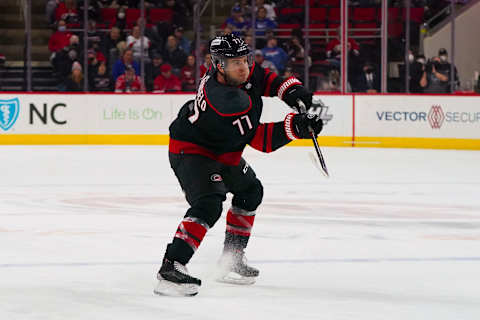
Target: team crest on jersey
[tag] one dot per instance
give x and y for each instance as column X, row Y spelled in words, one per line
column 9, row 110
column 216, row 177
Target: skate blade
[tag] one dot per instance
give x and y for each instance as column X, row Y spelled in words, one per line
column 235, row 278
column 168, row 288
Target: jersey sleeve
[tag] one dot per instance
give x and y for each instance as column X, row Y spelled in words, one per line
column 274, row 135
column 272, row 84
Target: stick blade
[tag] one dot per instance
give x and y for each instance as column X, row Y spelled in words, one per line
column 316, row 162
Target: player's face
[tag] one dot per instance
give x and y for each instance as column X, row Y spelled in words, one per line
column 237, row 70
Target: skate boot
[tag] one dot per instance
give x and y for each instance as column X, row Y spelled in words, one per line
column 174, row 280
column 233, row 268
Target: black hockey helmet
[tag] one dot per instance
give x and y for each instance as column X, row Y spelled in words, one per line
column 227, row 46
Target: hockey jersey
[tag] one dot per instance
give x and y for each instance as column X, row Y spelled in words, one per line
column 223, row 119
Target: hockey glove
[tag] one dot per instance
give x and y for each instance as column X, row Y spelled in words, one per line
column 295, row 93
column 302, row 123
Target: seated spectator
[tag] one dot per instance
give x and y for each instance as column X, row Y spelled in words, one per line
column 172, row 54
column 153, row 72
column 237, row 21
column 166, row 81
column 60, row 38
column 75, row 81
column 262, row 23
column 106, row 3
column 207, row 63
column 295, row 49
column 134, row 42
column 129, row 81
column 67, row 11
column 249, row 41
column 367, row 81
column 94, row 36
column 334, row 48
column 121, row 21
column 264, row 63
column 109, row 45
column 246, row 8
column 187, row 74
column 275, row 54
column 270, row 9
column 126, row 60
column 183, row 43
column 101, row 81
column 63, row 60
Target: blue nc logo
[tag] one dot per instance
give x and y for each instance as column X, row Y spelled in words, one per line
column 9, row 110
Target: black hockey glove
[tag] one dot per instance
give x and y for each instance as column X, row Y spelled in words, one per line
column 301, row 124
column 295, row 93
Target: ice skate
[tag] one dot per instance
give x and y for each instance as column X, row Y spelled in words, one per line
column 174, row 280
column 233, row 268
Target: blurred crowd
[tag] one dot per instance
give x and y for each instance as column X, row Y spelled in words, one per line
column 115, row 46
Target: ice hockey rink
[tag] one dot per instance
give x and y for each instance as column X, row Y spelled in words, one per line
column 393, row 234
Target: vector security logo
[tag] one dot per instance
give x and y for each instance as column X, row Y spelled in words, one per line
column 9, row 110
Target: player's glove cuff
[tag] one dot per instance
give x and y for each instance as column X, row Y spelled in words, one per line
column 288, row 125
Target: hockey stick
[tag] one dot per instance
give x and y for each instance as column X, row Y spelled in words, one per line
column 319, row 162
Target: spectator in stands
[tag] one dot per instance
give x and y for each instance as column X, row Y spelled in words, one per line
column 207, row 63
column 154, row 71
column 259, row 60
column 246, row 8
column 75, row 81
column 172, row 54
column 63, row 60
column 100, row 80
column 95, row 58
column 263, row 23
column 295, row 49
column 105, row 3
column 166, row 81
column 270, row 9
column 50, row 9
column 367, row 81
column 249, row 41
column 67, row 11
column 288, row 72
column 60, row 38
column 187, row 74
column 94, row 36
column 134, row 42
column 126, row 60
column 183, row 42
column 237, row 21
column 109, row 45
column 275, row 54
column 417, row 70
column 334, row 50
column 438, row 74
column 121, row 21
column 129, row 81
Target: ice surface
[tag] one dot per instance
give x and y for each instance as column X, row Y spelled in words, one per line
column 394, row 234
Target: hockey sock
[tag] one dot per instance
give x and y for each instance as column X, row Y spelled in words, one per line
column 188, row 237
column 239, row 227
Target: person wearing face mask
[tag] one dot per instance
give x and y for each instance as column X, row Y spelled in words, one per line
column 438, row 74
column 367, row 81
column 417, row 70
column 60, row 38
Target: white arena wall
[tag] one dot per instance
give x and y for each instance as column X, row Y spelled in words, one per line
column 360, row 120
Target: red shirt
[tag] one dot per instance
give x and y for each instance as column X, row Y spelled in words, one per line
column 122, row 86
column 59, row 40
column 187, row 76
column 62, row 12
column 162, row 84
column 333, row 43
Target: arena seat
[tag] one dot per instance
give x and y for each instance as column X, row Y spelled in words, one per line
column 156, row 15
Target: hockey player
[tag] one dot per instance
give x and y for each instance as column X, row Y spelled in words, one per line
column 206, row 143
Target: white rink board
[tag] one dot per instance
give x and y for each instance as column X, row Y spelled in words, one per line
column 417, row 116
column 340, row 108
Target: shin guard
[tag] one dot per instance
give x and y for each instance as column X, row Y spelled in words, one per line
column 239, row 227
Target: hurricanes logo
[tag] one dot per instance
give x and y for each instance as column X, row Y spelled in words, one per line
column 436, row 117
column 216, row 177
column 9, row 110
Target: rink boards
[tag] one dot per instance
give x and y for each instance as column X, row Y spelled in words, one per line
column 405, row 121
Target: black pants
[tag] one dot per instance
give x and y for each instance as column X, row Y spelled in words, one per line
column 205, row 183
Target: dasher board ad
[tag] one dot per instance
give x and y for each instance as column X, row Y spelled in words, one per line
column 417, row 116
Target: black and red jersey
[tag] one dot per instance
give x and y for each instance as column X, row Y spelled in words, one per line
column 223, row 119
